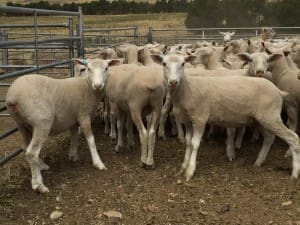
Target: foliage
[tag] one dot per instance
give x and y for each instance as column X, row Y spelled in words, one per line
column 201, row 13
column 243, row 13
column 101, row 7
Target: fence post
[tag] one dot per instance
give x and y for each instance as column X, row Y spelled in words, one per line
column 71, row 49
column 150, row 35
column 4, row 37
column 36, row 42
column 135, row 35
column 80, row 29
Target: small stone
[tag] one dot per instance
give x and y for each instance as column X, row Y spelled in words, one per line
column 203, row 212
column 201, row 201
column 225, row 209
column 153, row 208
column 90, row 201
column 179, row 181
column 111, row 214
column 287, row 203
column 56, row 215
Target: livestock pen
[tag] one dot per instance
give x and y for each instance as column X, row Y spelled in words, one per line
column 221, row 193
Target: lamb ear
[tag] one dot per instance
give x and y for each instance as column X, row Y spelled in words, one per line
column 157, row 58
column 80, row 61
column 286, row 53
column 221, row 33
column 113, row 62
column 190, row 58
column 140, row 48
column 268, row 51
column 244, row 57
column 232, row 33
column 274, row 57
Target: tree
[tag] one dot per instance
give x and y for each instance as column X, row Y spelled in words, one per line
column 204, row 13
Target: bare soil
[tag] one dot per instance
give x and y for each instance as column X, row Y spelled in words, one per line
column 220, row 193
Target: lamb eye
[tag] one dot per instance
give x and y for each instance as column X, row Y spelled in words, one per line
column 82, row 70
column 106, row 68
column 182, row 65
column 164, row 64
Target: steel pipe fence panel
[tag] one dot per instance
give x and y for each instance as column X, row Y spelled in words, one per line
column 61, row 39
column 32, row 26
column 193, row 34
column 10, row 156
column 12, row 9
column 3, row 108
column 8, row 132
column 33, row 69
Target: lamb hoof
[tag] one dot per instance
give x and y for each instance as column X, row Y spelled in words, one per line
column 294, row 176
column 100, row 166
column 231, row 159
column 238, row 146
column 41, row 188
column 149, row 167
column 257, row 164
column 288, row 154
column 117, row 149
column 143, row 165
column 188, row 176
column 73, row 158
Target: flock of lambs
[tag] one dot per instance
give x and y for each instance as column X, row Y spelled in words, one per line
column 240, row 83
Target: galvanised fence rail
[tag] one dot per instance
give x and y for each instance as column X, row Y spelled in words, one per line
column 95, row 38
column 40, row 48
column 190, row 35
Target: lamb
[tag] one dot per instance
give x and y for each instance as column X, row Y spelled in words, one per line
column 108, row 53
column 296, row 54
column 225, row 101
column 130, row 52
column 227, row 36
column 283, row 77
column 209, row 57
column 266, row 33
column 135, row 91
column 43, row 106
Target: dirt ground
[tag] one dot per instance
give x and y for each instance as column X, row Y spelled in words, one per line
column 220, row 193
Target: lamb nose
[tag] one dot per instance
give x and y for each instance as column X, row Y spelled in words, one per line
column 98, row 86
column 173, row 82
column 260, row 73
